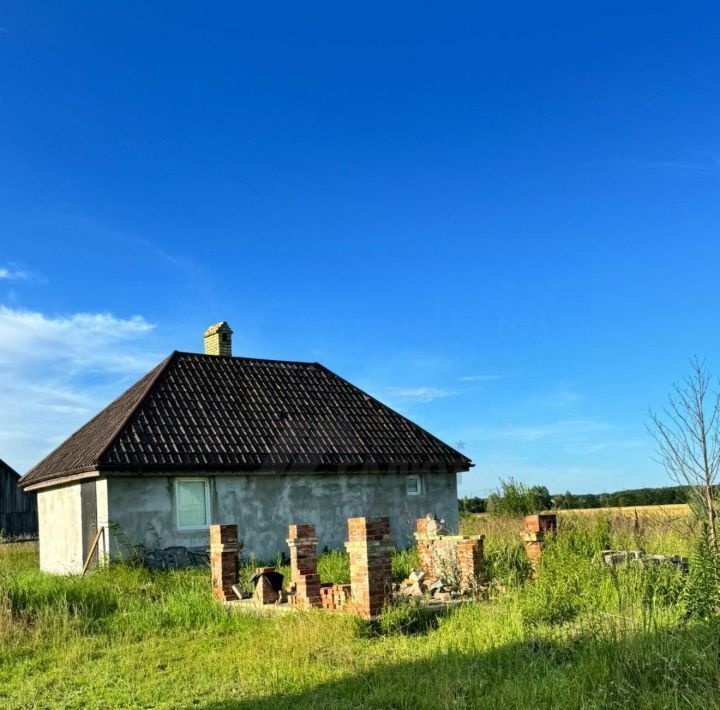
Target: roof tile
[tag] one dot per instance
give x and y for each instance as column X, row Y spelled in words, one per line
column 194, row 410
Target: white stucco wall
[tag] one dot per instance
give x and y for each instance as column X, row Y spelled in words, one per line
column 60, row 530
column 263, row 505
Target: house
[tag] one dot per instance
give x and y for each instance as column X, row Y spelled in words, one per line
column 214, row 438
column 18, row 510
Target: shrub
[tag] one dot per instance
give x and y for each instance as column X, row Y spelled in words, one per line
column 515, row 498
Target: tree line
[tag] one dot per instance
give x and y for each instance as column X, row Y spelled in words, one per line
column 516, row 498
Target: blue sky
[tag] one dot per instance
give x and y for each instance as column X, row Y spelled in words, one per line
column 501, row 221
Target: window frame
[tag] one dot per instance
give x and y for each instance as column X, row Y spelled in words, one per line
column 192, row 528
column 418, row 488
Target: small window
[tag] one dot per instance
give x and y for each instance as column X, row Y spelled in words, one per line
column 413, row 485
column 191, row 503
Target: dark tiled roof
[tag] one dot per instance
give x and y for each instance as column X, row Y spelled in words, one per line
column 211, row 413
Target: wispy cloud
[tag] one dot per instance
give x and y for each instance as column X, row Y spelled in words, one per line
column 81, row 340
column 558, row 477
column 431, row 393
column 196, row 280
column 579, row 454
column 12, row 273
column 58, row 371
column 420, row 394
column 669, row 165
column 560, row 398
column 481, row 378
column 596, row 447
column 535, row 432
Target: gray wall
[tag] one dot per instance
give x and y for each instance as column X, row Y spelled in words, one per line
column 264, row 505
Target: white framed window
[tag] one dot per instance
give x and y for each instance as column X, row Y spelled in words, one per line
column 413, row 485
column 192, row 503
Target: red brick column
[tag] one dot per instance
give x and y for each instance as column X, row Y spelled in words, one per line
column 369, row 546
column 224, row 549
column 536, row 527
column 471, row 562
column 303, row 542
column 542, row 523
column 426, row 548
column 533, row 548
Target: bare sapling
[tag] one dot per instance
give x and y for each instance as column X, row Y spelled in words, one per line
column 687, row 435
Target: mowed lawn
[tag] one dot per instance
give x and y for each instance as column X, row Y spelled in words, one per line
column 580, row 635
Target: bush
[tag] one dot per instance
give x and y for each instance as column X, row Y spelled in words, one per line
column 472, row 505
column 515, row 498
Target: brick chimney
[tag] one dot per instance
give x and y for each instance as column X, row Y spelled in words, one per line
column 218, row 340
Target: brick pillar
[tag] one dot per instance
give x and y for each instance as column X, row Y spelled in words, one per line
column 542, row 523
column 471, row 562
column 536, row 527
column 369, row 546
column 303, row 542
column 533, row 543
column 224, row 549
column 425, row 536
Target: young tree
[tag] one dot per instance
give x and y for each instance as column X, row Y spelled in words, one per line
column 515, row 498
column 688, row 439
column 564, row 501
column 541, row 499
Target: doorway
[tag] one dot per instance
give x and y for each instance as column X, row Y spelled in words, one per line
column 88, row 514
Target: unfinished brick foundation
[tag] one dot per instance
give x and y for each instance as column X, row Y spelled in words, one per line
column 369, row 547
column 536, row 528
column 335, row 597
column 454, row 559
column 224, row 550
column 304, row 577
column 457, row 559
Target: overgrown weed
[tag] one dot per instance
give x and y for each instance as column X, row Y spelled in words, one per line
column 593, row 635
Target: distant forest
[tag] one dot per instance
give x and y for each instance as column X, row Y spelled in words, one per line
column 619, row 499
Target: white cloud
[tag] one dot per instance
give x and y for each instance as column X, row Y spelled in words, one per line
column 11, row 273
column 81, row 340
column 535, row 432
column 485, row 477
column 560, row 398
column 481, row 378
column 58, row 371
column 420, row 394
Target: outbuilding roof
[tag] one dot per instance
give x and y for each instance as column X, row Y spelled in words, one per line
column 209, row 413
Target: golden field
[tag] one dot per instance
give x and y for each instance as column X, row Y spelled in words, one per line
column 674, row 510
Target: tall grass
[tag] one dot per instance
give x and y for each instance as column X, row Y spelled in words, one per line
column 580, row 634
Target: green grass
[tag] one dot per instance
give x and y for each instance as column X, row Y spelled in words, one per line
column 579, row 635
